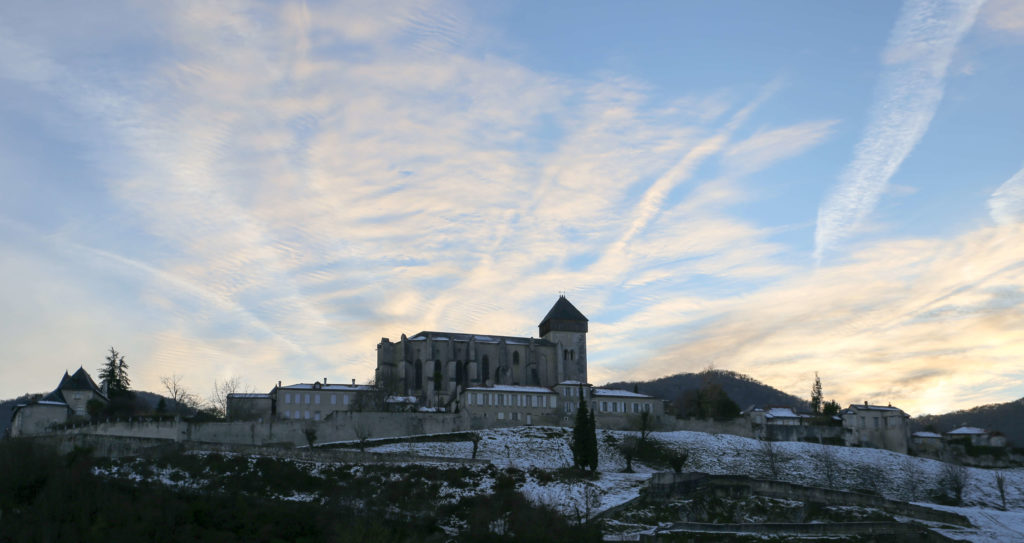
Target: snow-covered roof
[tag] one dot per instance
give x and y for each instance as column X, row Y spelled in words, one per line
column 931, row 435
column 865, row 407
column 512, row 388
column 328, row 387
column 619, row 393
column 249, row 395
column 781, row 413
column 966, row 431
column 45, row 402
column 573, row 383
column 400, row 399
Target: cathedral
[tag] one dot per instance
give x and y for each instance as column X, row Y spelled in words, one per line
column 438, row 366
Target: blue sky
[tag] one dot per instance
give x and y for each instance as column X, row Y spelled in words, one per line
column 264, row 190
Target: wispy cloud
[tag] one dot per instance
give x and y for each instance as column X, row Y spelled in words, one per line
column 916, row 60
column 1006, row 205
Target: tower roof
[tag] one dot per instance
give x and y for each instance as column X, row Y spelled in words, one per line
column 563, row 316
column 79, row 381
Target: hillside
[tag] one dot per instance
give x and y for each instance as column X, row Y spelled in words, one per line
column 1007, row 417
column 743, row 390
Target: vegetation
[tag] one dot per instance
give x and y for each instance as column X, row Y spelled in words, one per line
column 584, row 437
column 114, row 374
column 742, row 389
column 816, row 400
column 707, row 402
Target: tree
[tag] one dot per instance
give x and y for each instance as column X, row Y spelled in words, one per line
column 182, row 400
column 707, row 402
column 114, row 375
column 830, row 408
column 310, row 433
column 816, row 395
column 1001, row 487
column 584, row 437
column 219, row 396
column 953, row 481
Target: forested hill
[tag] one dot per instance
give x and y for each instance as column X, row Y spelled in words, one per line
column 1007, row 417
column 743, row 390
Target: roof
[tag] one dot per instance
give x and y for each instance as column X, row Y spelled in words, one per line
column 618, row 393
column 926, row 435
column 782, row 413
column 79, row 381
column 512, row 388
column 966, row 431
column 401, row 399
column 479, row 338
column 573, row 383
column 329, row 387
column 249, row 395
column 563, row 310
column 865, row 407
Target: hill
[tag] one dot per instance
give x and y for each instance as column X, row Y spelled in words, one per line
column 743, row 390
column 1007, row 417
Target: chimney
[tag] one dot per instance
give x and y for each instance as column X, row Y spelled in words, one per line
column 353, row 382
column 865, row 403
column 325, row 380
column 279, row 384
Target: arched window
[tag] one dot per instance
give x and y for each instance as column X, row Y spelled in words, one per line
column 485, row 370
column 497, row 376
column 515, row 358
column 418, row 383
column 572, row 354
column 460, row 376
column 438, row 376
column 534, row 378
column 565, row 354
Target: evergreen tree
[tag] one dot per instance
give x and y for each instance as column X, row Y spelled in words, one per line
column 592, row 442
column 114, row 374
column 579, row 444
column 816, row 395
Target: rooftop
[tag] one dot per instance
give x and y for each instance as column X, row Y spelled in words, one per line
column 478, row 338
column 511, row 388
column 966, row 431
column 619, row 393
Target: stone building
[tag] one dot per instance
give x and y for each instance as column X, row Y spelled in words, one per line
column 877, row 426
column 70, row 400
column 315, row 401
column 437, row 366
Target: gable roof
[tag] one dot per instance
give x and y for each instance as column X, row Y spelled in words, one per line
column 479, row 338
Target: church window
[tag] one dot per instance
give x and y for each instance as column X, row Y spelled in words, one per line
column 497, row 376
column 460, row 374
column 515, row 358
column 486, row 371
column 438, row 376
column 534, row 379
column 418, row 381
column 565, row 354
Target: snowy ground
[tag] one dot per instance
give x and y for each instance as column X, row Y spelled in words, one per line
column 890, row 474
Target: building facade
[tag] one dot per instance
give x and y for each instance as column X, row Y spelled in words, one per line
column 437, row 367
column 877, row 426
column 69, row 401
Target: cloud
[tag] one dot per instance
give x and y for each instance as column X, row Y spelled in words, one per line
column 1006, row 205
column 916, row 60
column 1004, row 15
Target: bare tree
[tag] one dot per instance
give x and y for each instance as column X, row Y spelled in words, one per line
column 363, row 434
column 310, row 433
column 1001, row 487
column 913, row 479
column 954, row 480
column 221, row 390
column 827, row 464
column 772, row 459
column 182, row 400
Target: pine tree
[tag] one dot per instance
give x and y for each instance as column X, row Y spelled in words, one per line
column 579, row 444
column 592, row 442
column 816, row 395
column 114, row 374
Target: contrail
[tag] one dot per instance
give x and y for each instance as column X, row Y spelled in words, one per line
column 917, row 58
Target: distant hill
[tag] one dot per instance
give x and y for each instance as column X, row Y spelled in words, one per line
column 743, row 390
column 1007, row 417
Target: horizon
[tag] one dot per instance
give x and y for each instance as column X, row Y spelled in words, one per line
column 265, row 190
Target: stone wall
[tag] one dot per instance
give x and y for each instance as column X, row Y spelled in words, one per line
column 340, row 426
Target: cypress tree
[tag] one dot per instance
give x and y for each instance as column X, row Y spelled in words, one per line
column 592, row 442
column 580, row 447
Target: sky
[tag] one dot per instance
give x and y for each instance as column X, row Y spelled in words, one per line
column 265, row 190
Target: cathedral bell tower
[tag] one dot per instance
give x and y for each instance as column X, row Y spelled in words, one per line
column 566, row 327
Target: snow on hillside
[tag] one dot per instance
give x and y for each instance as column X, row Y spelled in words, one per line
column 887, row 473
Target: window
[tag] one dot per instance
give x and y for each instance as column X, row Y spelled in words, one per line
column 534, row 401
column 485, row 372
column 307, row 413
column 317, row 399
column 647, row 408
column 604, row 406
column 418, row 381
column 501, row 415
column 307, row 401
column 553, row 402
column 316, row 416
column 876, row 423
column 344, row 399
column 334, row 399
column 515, row 358
column 636, row 407
column 287, row 398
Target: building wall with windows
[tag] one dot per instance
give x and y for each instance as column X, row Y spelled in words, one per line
column 315, row 401
column 621, row 407
column 876, row 426
column 510, row 404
